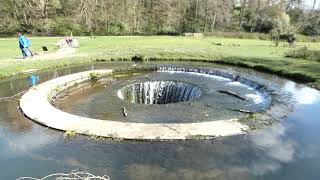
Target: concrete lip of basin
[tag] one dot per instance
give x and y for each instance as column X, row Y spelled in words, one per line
column 35, row 104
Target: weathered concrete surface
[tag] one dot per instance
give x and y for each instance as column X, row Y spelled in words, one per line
column 35, row 105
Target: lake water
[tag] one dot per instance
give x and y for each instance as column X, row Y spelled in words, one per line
column 289, row 150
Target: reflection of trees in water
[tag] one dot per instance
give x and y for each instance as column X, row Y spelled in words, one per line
column 144, row 172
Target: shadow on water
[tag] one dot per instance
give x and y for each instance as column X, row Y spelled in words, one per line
column 287, row 150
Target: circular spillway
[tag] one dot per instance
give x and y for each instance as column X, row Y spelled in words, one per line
column 186, row 103
column 159, row 92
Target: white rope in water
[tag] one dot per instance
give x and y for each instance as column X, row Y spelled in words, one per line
column 73, row 175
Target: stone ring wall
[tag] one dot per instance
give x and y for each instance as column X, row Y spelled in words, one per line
column 35, row 104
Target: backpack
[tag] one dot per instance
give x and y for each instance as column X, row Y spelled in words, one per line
column 28, row 42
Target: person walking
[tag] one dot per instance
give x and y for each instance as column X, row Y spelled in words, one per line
column 24, row 45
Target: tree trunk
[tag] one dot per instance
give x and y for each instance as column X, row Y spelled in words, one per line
column 197, row 7
column 242, row 11
column 214, row 21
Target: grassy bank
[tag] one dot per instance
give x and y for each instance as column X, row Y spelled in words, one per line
column 257, row 54
column 261, row 36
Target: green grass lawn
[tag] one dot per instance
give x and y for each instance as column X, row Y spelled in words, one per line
column 257, row 54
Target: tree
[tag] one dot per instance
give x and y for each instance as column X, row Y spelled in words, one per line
column 116, row 17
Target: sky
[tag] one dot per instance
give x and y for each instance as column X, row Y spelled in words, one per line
column 309, row 3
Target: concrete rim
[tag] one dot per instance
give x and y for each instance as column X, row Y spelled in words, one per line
column 36, row 106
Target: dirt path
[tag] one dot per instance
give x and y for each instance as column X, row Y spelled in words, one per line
column 59, row 54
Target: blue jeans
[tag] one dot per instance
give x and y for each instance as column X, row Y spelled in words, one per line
column 26, row 52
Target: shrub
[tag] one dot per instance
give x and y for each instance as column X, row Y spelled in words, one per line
column 168, row 31
column 69, row 134
column 310, row 29
column 303, row 38
column 116, row 28
column 64, row 27
column 94, row 76
column 304, row 53
column 261, row 36
column 9, row 26
column 138, row 58
column 239, row 35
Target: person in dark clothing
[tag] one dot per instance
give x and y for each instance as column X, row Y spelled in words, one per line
column 24, row 45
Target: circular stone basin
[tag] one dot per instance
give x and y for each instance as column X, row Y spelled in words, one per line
column 220, row 99
column 159, row 92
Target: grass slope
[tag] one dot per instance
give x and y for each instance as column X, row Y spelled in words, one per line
column 257, row 54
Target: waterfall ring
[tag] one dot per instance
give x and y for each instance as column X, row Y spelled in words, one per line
column 159, row 92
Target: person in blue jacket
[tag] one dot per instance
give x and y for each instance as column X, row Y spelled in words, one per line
column 24, row 45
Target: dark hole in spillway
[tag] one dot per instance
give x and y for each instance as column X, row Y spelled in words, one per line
column 159, row 92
